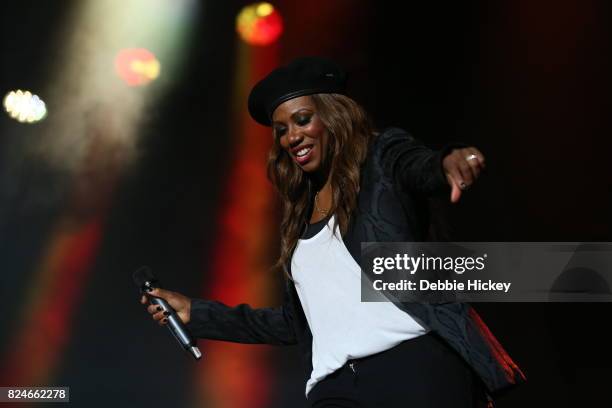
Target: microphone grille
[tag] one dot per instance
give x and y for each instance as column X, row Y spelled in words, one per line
column 143, row 275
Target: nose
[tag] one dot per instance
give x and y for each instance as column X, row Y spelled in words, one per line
column 294, row 137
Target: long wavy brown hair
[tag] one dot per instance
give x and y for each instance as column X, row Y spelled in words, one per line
column 350, row 135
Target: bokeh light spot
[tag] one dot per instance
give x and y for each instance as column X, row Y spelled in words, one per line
column 137, row 66
column 24, row 106
column 259, row 24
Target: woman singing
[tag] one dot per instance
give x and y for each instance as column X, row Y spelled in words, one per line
column 341, row 183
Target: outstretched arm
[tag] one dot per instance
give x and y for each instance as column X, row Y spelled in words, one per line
column 214, row 320
column 414, row 166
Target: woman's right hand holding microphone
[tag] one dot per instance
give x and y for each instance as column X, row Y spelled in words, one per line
column 180, row 303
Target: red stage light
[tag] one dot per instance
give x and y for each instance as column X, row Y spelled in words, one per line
column 259, row 24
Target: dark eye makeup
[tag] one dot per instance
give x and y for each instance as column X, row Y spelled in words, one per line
column 279, row 131
column 303, row 120
column 300, row 118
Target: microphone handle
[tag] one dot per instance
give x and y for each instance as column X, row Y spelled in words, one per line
column 176, row 327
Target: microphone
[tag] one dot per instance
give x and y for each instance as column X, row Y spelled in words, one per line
column 144, row 279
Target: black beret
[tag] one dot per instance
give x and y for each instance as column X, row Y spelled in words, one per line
column 303, row 76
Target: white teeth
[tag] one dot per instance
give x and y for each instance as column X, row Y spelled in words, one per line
column 303, row 152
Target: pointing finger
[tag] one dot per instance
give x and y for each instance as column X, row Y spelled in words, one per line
column 455, row 189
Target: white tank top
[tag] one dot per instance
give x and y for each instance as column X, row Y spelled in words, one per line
column 328, row 282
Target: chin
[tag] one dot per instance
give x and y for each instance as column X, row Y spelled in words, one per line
column 310, row 167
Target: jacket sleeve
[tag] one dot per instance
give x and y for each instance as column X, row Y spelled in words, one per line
column 411, row 164
column 242, row 324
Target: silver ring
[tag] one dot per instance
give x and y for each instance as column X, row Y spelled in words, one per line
column 471, row 157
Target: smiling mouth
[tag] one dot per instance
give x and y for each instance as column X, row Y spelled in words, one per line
column 303, row 152
column 302, row 156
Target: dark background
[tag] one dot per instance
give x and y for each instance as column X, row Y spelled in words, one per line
column 526, row 82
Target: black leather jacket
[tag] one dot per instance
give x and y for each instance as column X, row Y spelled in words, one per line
column 398, row 170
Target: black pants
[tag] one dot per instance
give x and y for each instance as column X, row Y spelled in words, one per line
column 417, row 373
